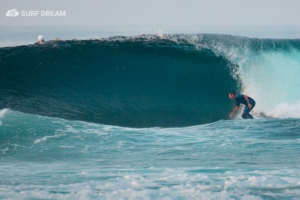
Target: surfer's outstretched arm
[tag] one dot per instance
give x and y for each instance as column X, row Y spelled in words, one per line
column 236, row 109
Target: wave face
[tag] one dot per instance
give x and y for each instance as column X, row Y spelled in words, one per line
column 151, row 80
column 135, row 82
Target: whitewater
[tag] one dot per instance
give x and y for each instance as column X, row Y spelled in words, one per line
column 147, row 117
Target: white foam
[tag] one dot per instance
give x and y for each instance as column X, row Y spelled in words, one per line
column 160, row 34
column 71, row 129
column 285, row 110
column 3, row 112
column 4, row 150
column 43, row 139
column 176, row 184
column 67, row 147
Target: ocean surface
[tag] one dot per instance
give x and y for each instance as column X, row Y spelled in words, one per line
column 147, row 117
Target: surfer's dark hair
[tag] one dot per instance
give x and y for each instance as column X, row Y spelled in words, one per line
column 232, row 93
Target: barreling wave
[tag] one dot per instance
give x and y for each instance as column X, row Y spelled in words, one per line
column 149, row 80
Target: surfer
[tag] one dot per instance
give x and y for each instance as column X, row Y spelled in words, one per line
column 242, row 99
column 41, row 39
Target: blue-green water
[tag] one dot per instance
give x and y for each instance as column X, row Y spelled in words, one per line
column 147, row 117
column 51, row 158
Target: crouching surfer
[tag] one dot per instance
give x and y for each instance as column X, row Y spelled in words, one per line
column 242, row 99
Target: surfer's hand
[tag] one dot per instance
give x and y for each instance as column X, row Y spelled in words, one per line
column 250, row 106
column 231, row 115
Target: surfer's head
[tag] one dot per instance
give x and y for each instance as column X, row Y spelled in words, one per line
column 232, row 95
column 41, row 39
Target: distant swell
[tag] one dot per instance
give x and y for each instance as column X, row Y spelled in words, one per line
column 138, row 82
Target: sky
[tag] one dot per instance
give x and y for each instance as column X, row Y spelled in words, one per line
column 155, row 13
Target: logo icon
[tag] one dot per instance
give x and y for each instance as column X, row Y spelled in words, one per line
column 12, row 13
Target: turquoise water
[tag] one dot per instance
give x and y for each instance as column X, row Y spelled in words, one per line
column 51, row 158
column 147, row 117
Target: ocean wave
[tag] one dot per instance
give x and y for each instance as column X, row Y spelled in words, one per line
column 135, row 82
column 151, row 80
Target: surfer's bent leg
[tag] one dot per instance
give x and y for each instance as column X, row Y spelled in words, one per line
column 246, row 113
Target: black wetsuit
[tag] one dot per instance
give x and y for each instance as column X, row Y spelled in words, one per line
column 240, row 99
